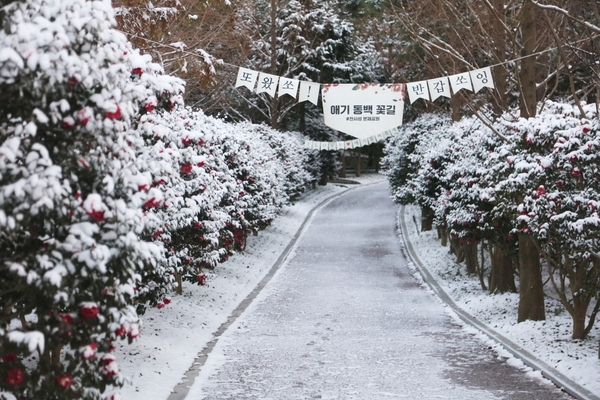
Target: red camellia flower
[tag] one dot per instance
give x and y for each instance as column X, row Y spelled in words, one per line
column 586, row 129
column 153, row 202
column 201, row 164
column 150, row 104
column 187, row 141
column 120, row 331
column 66, row 318
column 575, row 172
column 167, row 300
column 541, row 191
column 9, row 358
column 89, row 351
column 573, row 158
column 201, row 279
column 560, row 184
column 137, row 71
column 64, row 381
column 97, row 216
column 186, row 168
column 200, row 142
column 198, row 225
column 160, row 305
column 114, row 114
column 14, row 376
column 89, row 311
column 157, row 234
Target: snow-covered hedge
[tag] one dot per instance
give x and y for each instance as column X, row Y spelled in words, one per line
column 541, row 182
column 110, row 193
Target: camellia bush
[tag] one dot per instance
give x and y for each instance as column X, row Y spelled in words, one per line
column 111, row 194
column 521, row 181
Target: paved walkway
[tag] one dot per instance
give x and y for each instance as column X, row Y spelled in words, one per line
column 344, row 319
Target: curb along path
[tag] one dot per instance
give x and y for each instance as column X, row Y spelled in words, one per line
column 181, row 391
column 529, row 359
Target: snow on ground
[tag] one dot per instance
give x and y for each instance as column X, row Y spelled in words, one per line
column 172, row 337
column 550, row 340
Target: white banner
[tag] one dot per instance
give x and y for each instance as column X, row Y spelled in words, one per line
column 246, row 77
column 439, row 87
column 482, row 78
column 288, row 86
column 363, row 110
column 461, row 81
column 417, row 90
column 267, row 83
column 309, row 91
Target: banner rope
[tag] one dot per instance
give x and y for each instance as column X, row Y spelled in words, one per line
column 221, row 62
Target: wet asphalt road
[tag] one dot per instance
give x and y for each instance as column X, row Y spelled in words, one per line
column 344, row 319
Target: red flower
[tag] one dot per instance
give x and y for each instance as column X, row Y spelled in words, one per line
column 187, row 141
column 115, row 114
column 14, row 376
column 89, row 351
column 9, row 358
column 67, row 123
column 66, row 318
column 120, row 331
column 167, row 300
column 143, row 187
column 153, row 202
column 573, row 158
column 560, row 183
column 575, row 172
column 201, row 164
column 157, row 234
column 72, row 81
column 64, row 381
column 198, row 225
column 201, row 279
column 186, row 168
column 200, row 142
column 586, row 129
column 137, row 71
column 541, row 191
column 89, row 311
column 97, row 216
column 160, row 305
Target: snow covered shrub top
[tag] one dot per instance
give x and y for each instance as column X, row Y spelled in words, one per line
column 404, row 155
column 71, row 209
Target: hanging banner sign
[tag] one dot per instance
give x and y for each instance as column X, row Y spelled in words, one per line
column 461, row 81
column 418, row 90
column 363, row 110
column 439, row 87
column 288, row 86
column 482, row 78
column 246, row 77
column 267, row 83
column 309, row 91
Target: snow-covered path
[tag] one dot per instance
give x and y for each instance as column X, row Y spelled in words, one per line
column 344, row 319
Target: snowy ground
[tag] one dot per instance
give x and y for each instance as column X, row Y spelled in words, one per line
column 172, row 337
column 549, row 340
column 344, row 319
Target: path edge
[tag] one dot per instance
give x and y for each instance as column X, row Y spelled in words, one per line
column 181, row 390
column 560, row 380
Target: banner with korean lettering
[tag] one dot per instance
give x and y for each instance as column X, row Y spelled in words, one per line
column 363, row 110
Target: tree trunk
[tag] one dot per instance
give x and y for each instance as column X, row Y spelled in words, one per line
column 179, row 288
column 531, row 288
column 580, row 307
column 427, row 215
column 343, row 162
column 443, row 235
column 502, row 278
column 500, row 74
column 358, row 155
column 528, row 100
column 471, row 261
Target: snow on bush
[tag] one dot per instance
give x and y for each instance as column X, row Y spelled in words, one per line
column 542, row 182
column 105, row 197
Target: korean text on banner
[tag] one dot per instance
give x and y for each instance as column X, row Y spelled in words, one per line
column 439, row 87
column 482, row 78
column 288, row 86
column 267, row 83
column 418, row 90
column 460, row 81
column 363, row 110
column 246, row 77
